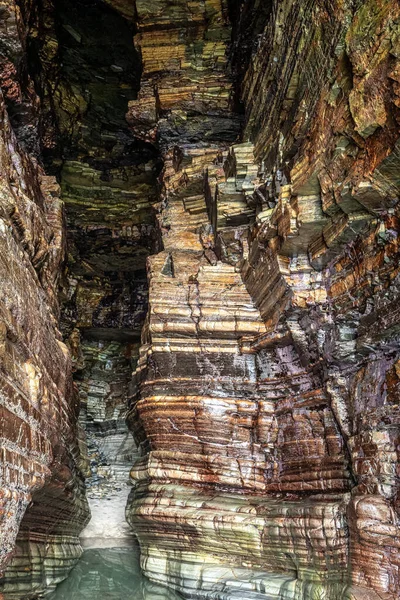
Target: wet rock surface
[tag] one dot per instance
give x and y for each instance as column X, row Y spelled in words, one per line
column 230, row 170
column 260, row 395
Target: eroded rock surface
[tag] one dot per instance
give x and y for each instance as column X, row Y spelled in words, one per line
column 42, row 502
column 229, row 168
column 265, row 395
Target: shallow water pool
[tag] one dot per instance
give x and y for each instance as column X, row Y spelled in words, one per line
column 109, row 574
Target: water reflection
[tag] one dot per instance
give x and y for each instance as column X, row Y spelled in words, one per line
column 109, row 574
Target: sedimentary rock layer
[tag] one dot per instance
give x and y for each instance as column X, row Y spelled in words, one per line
column 265, row 402
column 42, row 497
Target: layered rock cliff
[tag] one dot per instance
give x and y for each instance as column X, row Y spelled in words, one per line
column 247, row 153
column 265, row 400
column 43, row 505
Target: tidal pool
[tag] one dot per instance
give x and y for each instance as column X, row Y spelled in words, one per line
column 109, row 574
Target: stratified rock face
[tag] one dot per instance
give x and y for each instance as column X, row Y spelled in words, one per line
column 185, row 88
column 41, row 496
column 265, row 402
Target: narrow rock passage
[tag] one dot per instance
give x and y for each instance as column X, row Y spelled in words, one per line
column 108, row 445
column 107, row 488
column 108, row 185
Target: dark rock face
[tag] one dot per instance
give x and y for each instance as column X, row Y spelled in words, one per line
column 43, row 506
column 264, row 399
column 233, row 174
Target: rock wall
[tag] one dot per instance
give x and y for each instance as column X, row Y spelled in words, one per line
column 265, row 402
column 42, row 501
column 67, row 82
column 254, row 146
